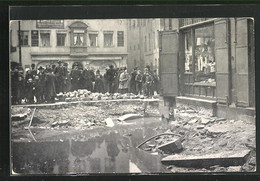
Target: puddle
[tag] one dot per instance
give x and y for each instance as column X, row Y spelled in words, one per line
column 89, row 151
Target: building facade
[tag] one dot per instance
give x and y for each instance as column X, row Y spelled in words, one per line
column 142, row 41
column 214, row 59
column 98, row 43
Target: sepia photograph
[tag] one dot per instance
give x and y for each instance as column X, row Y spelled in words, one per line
column 132, row 95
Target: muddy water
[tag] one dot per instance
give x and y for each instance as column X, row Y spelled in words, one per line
column 104, row 150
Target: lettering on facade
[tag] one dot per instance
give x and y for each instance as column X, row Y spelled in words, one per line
column 50, row 24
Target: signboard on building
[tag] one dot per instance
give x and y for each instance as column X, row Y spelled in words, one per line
column 50, row 24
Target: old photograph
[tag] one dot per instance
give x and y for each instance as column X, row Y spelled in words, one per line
column 144, row 95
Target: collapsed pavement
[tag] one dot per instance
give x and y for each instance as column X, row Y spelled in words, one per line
column 198, row 134
column 207, row 143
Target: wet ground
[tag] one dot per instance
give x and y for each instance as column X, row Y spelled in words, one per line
column 104, row 150
column 75, row 140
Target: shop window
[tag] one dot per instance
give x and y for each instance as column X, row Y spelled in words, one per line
column 45, row 39
column 34, row 38
column 204, row 54
column 120, row 38
column 61, row 39
column 24, row 38
column 93, row 39
column 188, row 51
column 108, row 39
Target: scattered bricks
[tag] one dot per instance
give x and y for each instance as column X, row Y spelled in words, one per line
column 174, row 146
column 18, row 117
column 222, row 158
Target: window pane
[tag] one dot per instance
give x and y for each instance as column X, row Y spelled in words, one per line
column 24, row 37
column 120, row 38
column 204, row 54
column 188, row 51
column 45, row 38
column 108, row 40
column 61, row 39
column 93, row 40
column 35, row 38
column 78, row 39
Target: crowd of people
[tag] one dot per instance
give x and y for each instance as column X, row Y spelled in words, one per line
column 43, row 84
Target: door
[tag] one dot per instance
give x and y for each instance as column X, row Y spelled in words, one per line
column 222, row 56
column 168, row 62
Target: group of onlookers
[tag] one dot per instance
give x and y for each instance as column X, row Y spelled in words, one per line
column 43, row 84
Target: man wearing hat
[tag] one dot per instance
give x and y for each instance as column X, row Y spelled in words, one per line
column 75, row 77
column 111, row 76
column 132, row 81
column 50, row 93
column 59, row 74
column 40, row 87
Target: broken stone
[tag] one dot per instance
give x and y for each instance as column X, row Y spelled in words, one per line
column 200, row 126
column 225, row 159
column 220, row 119
column 174, row 146
column 19, row 117
column 204, row 120
column 234, row 169
column 193, row 121
column 109, row 122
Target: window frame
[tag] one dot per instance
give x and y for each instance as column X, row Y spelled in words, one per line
column 33, row 38
column 43, row 33
column 108, row 33
column 20, row 40
column 64, row 35
column 120, row 41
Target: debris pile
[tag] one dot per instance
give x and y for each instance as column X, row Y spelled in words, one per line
column 204, row 135
column 85, row 95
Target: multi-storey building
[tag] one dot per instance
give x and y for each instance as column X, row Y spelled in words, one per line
column 142, row 41
column 98, row 43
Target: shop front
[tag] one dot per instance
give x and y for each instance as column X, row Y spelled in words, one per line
column 210, row 59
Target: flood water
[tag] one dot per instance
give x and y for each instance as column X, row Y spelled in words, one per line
column 109, row 150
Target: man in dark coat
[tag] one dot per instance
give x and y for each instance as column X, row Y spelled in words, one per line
column 132, row 81
column 86, row 75
column 99, row 84
column 66, row 78
column 50, row 86
column 138, row 82
column 33, row 70
column 59, row 74
column 75, row 77
column 111, row 75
